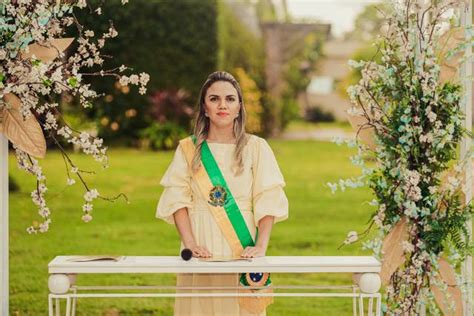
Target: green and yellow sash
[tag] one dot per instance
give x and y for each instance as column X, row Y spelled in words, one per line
column 228, row 217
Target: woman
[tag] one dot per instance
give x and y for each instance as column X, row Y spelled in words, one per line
column 247, row 174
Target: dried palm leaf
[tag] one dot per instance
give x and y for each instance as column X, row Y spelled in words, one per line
column 48, row 51
column 392, row 250
column 25, row 134
column 448, row 277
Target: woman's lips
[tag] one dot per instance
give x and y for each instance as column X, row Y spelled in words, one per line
column 222, row 114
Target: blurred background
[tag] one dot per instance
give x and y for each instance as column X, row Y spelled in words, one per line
column 290, row 58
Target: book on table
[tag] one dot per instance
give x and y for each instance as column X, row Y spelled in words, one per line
column 95, row 258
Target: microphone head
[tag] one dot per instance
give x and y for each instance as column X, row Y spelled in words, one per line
column 186, row 254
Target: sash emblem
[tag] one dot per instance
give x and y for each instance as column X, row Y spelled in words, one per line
column 217, row 196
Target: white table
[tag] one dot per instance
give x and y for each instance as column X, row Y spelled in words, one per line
column 365, row 282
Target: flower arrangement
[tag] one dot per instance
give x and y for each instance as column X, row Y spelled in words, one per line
column 35, row 71
column 413, row 110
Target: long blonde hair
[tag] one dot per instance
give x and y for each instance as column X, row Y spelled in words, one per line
column 202, row 123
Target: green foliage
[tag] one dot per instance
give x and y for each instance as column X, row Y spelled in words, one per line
column 12, row 184
column 368, row 52
column 417, row 120
column 252, row 98
column 238, row 46
column 242, row 54
column 171, row 106
column 316, row 114
column 174, row 41
column 296, row 77
column 370, row 21
column 162, row 136
column 266, row 11
column 367, row 26
column 289, row 110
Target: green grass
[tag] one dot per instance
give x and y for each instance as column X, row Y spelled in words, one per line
column 318, row 223
column 302, row 126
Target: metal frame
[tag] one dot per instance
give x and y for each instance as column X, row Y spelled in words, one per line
column 54, row 300
column 365, row 283
column 466, row 145
column 4, row 225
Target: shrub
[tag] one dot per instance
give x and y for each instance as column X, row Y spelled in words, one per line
column 316, row 114
column 252, row 97
column 162, row 135
column 171, row 106
column 173, row 41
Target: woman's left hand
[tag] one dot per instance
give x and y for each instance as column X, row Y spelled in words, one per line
column 252, row 252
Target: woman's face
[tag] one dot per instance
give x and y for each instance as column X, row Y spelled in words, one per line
column 222, row 104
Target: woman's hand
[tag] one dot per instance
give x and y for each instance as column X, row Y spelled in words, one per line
column 252, row 252
column 264, row 229
column 183, row 225
column 200, row 251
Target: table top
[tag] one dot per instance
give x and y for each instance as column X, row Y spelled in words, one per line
column 174, row 264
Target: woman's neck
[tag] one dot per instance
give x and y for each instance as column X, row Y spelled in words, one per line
column 221, row 135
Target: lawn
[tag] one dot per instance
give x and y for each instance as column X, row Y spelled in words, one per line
column 318, row 223
column 300, row 125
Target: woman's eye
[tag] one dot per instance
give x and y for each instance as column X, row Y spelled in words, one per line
column 231, row 99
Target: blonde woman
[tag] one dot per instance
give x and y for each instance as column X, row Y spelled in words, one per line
column 222, row 170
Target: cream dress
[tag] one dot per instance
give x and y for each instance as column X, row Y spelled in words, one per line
column 258, row 192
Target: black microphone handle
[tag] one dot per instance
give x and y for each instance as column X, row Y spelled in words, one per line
column 186, row 254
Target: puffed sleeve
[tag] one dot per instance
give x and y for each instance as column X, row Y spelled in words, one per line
column 268, row 195
column 177, row 188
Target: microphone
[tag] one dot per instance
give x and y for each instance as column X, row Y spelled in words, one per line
column 186, row 254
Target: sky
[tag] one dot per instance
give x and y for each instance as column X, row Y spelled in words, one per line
column 339, row 13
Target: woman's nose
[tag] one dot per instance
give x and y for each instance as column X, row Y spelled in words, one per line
column 222, row 104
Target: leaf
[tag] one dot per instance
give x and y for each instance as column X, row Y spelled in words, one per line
column 48, row 51
column 392, row 250
column 367, row 133
column 25, row 134
column 447, row 276
column 450, row 65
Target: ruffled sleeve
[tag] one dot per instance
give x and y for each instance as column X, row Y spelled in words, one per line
column 268, row 195
column 177, row 191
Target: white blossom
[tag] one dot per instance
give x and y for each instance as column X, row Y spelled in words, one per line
column 86, row 217
column 89, row 33
column 352, row 237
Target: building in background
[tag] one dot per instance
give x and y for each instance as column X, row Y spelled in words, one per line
column 333, row 68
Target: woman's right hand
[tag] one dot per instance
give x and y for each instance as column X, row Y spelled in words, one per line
column 200, row 251
column 183, row 225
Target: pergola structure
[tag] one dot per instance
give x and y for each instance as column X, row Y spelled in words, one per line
column 466, row 146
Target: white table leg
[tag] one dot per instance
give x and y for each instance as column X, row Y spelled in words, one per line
column 354, row 302
column 74, row 300
column 361, row 305
column 68, row 306
column 50, row 306
column 378, row 311
column 58, row 307
column 370, row 308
